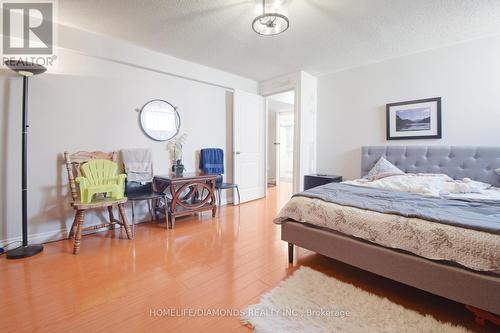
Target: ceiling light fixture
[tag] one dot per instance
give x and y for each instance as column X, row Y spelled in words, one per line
column 272, row 21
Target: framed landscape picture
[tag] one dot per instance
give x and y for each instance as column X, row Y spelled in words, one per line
column 420, row 119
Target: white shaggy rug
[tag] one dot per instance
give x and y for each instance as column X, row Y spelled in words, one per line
column 310, row 301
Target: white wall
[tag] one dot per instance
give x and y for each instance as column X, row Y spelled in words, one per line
column 305, row 136
column 351, row 104
column 89, row 102
column 109, row 48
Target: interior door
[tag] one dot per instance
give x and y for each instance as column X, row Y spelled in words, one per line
column 249, row 135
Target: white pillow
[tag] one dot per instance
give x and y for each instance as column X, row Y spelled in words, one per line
column 383, row 168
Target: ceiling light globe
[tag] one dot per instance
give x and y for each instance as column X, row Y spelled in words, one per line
column 272, row 20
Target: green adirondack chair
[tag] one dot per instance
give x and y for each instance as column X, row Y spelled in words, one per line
column 101, row 176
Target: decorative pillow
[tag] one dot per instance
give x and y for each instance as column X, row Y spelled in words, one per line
column 383, row 168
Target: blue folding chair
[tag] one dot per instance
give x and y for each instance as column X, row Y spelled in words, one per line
column 212, row 163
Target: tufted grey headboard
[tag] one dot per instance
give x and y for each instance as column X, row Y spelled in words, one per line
column 477, row 163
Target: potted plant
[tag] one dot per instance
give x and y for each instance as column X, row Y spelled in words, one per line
column 174, row 147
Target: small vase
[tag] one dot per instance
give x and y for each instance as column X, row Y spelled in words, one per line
column 178, row 168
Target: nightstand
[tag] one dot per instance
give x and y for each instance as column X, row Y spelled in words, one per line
column 318, row 179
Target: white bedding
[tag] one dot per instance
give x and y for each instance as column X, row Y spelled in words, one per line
column 437, row 185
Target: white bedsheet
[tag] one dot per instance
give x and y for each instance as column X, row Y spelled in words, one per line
column 437, row 185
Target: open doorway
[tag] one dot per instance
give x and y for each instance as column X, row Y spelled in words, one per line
column 280, row 143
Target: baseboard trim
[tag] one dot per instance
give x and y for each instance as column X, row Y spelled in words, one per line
column 46, row 237
column 39, row 238
column 56, row 235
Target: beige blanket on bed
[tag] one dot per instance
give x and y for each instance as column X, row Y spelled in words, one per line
column 470, row 248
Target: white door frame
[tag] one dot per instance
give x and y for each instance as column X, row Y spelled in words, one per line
column 305, row 111
column 296, row 137
column 277, row 147
column 279, row 114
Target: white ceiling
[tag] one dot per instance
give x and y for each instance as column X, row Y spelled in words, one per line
column 324, row 36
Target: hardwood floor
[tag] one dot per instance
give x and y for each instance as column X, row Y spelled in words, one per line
column 226, row 262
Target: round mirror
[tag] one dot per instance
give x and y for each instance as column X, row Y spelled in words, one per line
column 160, row 120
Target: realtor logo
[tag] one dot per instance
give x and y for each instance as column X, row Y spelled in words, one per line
column 27, row 28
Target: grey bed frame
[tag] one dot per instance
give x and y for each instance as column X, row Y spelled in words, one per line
column 469, row 287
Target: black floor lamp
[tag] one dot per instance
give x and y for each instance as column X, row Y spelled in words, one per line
column 25, row 69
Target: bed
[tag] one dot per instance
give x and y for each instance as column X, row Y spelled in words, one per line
column 472, row 282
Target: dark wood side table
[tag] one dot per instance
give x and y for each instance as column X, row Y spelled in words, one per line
column 315, row 180
column 185, row 192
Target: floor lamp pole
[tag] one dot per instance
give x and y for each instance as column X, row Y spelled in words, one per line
column 26, row 70
column 24, row 185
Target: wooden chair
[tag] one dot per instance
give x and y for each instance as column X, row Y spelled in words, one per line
column 73, row 166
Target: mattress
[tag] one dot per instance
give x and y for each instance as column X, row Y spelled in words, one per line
column 473, row 249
